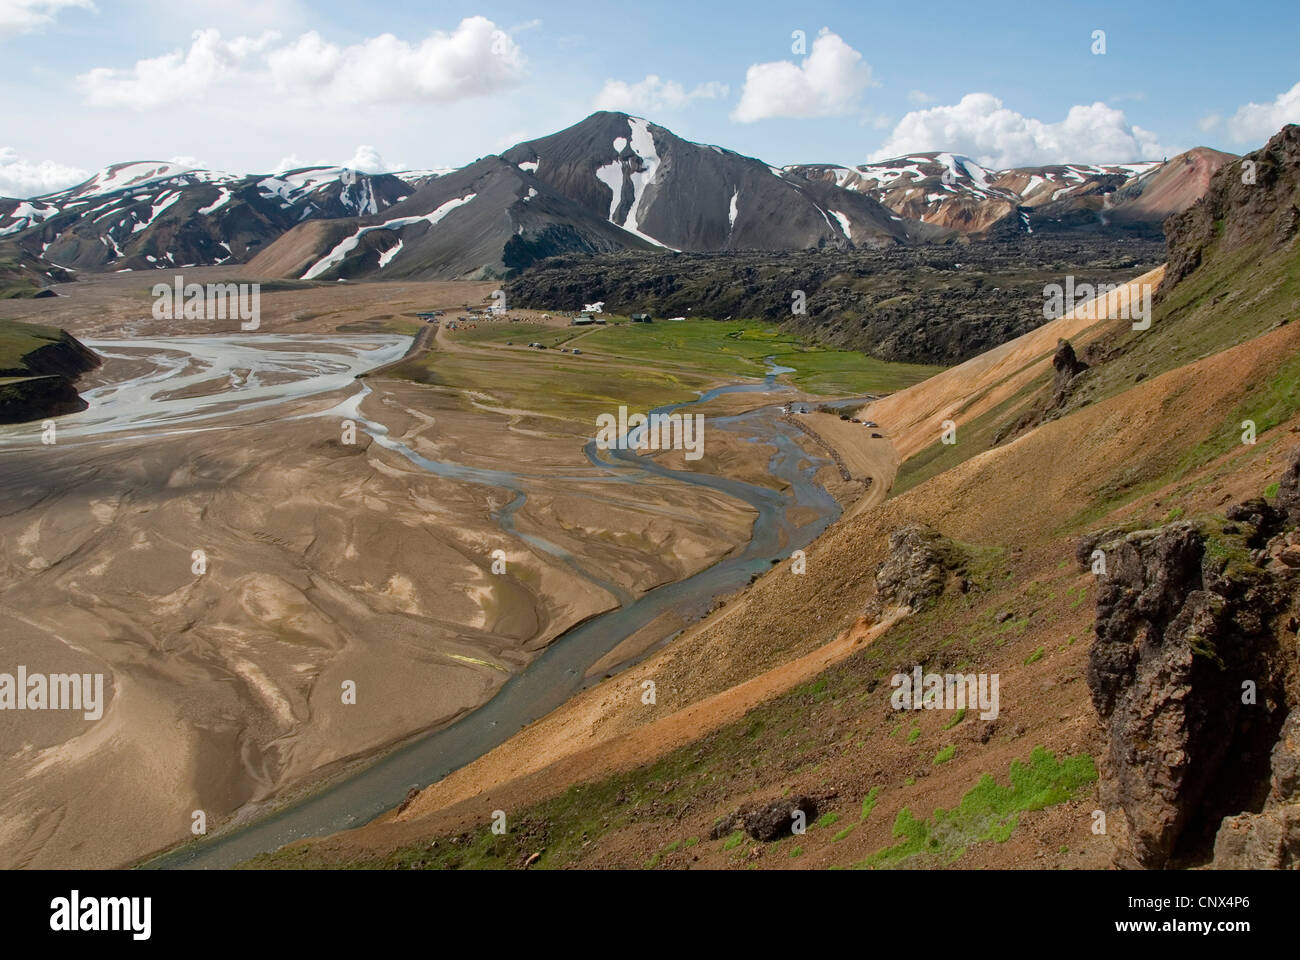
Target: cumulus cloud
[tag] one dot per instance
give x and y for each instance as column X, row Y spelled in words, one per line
column 176, row 76
column 368, row 160
column 919, row 96
column 365, row 159
column 653, row 94
column 25, row 16
column 980, row 127
column 477, row 58
column 829, row 82
column 1256, row 122
column 23, row 178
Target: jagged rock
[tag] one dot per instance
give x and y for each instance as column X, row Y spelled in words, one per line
column 920, row 564
column 1066, row 366
column 1234, row 211
column 1092, row 541
column 1288, row 492
column 1270, row 839
column 1259, row 841
column 767, row 821
column 1261, row 516
column 1178, row 628
column 1285, row 761
column 774, row 820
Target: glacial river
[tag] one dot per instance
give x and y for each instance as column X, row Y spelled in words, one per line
column 260, row 372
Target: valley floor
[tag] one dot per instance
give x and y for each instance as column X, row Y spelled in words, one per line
column 330, row 561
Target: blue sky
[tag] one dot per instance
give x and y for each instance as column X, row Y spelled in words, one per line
column 89, row 82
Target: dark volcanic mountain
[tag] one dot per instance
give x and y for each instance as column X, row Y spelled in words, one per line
column 612, row 182
column 697, row 197
column 487, row 219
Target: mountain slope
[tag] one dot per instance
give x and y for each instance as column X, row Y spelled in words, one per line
column 1151, row 447
column 698, row 197
column 483, row 220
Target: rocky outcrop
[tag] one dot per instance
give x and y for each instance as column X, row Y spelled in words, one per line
column 1257, row 196
column 39, row 370
column 1270, row 839
column 770, row 820
column 36, row 398
column 1188, row 678
column 1065, row 367
column 921, row 565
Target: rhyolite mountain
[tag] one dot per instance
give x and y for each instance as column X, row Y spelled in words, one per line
column 954, row 191
column 609, row 183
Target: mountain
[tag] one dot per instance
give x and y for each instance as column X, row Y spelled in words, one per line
column 486, row 219
column 699, row 197
column 956, row 192
column 142, row 215
column 611, row 182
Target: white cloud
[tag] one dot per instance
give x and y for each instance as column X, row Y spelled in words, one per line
column 24, row 16
column 22, row 178
column 980, row 127
column 365, row 159
column 829, row 82
column 1209, row 122
column 477, row 58
column 652, row 94
column 1256, row 122
column 176, row 76
column 919, row 97
column 368, row 160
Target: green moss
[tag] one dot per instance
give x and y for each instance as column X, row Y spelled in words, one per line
column 828, row 819
column 843, row 833
column 869, row 803
column 944, row 755
column 733, row 841
column 1034, row 657
column 988, row 812
column 957, row 718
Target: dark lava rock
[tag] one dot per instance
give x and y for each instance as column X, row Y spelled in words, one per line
column 1179, row 627
column 1065, row 366
column 769, row 820
column 1270, row 839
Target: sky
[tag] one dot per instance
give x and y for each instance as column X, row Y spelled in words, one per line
column 252, row 86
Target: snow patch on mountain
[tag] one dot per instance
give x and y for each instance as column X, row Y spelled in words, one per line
column 348, row 244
